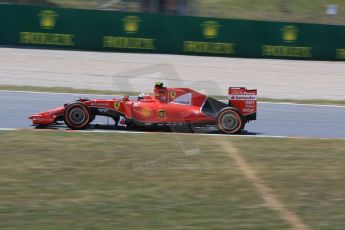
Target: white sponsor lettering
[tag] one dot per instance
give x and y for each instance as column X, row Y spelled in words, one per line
column 103, row 110
column 100, row 104
column 248, row 110
column 242, row 97
column 248, row 103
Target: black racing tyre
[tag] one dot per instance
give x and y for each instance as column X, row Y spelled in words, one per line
column 77, row 116
column 229, row 121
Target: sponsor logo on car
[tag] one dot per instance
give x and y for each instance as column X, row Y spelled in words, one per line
column 242, row 97
column 117, row 105
column 248, row 103
column 100, row 104
column 103, row 110
column 161, row 113
column 43, row 118
column 122, row 122
column 248, row 110
column 146, row 113
column 172, row 94
column 196, row 112
column 50, row 113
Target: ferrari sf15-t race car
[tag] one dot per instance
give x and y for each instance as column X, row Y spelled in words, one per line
column 165, row 107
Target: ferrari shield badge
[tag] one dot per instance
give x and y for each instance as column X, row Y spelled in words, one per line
column 172, row 94
column 117, row 105
column 161, row 113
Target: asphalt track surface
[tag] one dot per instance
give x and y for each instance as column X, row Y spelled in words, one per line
column 273, row 119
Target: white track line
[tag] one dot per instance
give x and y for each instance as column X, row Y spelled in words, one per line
column 300, row 104
column 109, row 95
column 8, row 129
column 267, row 193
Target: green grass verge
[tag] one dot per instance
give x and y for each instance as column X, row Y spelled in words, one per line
column 107, row 92
column 59, row 180
column 276, row 10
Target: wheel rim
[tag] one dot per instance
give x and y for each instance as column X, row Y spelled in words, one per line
column 77, row 116
column 229, row 121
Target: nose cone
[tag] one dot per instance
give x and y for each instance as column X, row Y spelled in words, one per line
column 32, row 117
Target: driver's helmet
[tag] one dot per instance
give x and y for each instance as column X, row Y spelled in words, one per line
column 161, row 92
column 159, row 84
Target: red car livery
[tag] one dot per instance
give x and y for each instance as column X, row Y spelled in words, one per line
column 166, row 106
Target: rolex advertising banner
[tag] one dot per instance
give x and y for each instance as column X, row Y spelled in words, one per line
column 153, row 33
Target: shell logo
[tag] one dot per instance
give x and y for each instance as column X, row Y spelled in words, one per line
column 131, row 24
column 210, row 29
column 289, row 33
column 146, row 113
column 47, row 19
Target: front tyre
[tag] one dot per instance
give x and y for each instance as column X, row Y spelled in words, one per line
column 229, row 121
column 77, row 116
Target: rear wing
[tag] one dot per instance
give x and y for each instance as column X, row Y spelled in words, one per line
column 245, row 100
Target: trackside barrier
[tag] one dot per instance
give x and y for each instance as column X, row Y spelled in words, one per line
column 152, row 33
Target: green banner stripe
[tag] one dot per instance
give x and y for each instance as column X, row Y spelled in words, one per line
column 153, row 33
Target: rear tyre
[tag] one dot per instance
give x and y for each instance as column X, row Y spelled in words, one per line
column 229, row 121
column 77, row 116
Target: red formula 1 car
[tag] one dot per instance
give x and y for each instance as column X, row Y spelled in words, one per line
column 165, row 107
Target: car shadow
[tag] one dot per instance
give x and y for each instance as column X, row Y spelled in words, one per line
column 165, row 129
